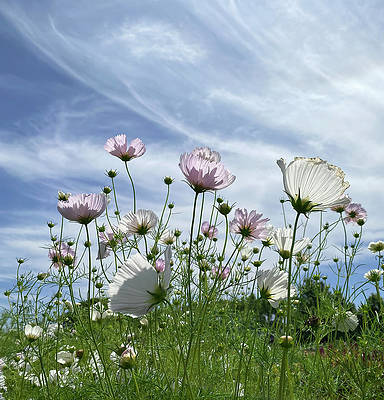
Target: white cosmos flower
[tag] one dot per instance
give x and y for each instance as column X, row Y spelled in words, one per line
column 137, row 287
column 373, row 275
column 33, row 332
column 273, row 285
column 346, row 322
column 139, row 223
column 245, row 253
column 312, row 184
column 282, row 238
column 167, row 237
column 374, row 247
column 65, row 358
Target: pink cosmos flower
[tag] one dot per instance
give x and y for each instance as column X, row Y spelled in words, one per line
column 208, row 231
column 64, row 254
column 109, row 239
column 355, row 213
column 250, row 226
column 222, row 274
column 118, row 146
column 204, row 173
column 83, row 208
column 160, row 265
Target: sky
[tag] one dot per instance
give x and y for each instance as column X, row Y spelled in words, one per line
column 256, row 81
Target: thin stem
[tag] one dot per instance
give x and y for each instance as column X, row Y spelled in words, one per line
column 133, row 186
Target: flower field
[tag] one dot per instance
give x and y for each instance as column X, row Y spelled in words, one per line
column 228, row 307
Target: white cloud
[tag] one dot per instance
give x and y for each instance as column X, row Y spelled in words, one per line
column 254, row 80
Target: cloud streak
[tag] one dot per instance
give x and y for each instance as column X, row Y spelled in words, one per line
column 254, row 80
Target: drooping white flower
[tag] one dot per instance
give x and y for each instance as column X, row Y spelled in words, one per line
column 33, row 332
column 137, row 287
column 313, row 185
column 346, row 322
column 139, row 223
column 282, row 239
column 273, row 285
column 373, row 275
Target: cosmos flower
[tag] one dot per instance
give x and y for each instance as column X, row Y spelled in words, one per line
column 137, row 287
column 375, row 247
column 346, row 322
column 139, row 223
column 282, row 239
column 32, row 332
column 3, row 386
column 207, row 154
column 204, row 174
column 160, row 265
column 273, row 285
column 65, row 358
column 109, row 238
column 167, row 237
column 221, row 273
column 373, row 275
column 118, row 146
column 355, row 213
column 97, row 313
column 83, row 208
column 312, row 184
column 245, row 253
column 65, row 255
column 208, row 231
column 249, row 226
column 128, row 358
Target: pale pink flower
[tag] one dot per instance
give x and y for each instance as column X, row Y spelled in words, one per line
column 355, row 212
column 250, row 226
column 204, row 174
column 83, row 208
column 160, row 265
column 57, row 255
column 109, row 239
column 221, row 273
column 118, row 146
column 208, row 231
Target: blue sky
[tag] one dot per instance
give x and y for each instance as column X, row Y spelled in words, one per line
column 255, row 81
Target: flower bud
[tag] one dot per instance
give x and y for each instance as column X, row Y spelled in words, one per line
column 42, row 276
column 128, row 358
column 112, row 173
column 168, row 180
column 286, row 341
column 224, row 208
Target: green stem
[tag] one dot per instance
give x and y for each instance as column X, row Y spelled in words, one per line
column 133, row 186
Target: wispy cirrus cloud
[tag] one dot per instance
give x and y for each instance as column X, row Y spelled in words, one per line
column 255, row 80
